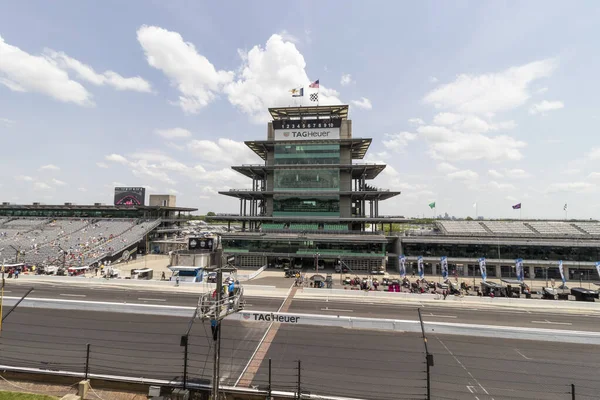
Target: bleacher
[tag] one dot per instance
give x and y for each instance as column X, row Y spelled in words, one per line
column 520, row 228
column 592, row 228
column 463, row 227
column 516, row 228
column 554, row 228
column 42, row 241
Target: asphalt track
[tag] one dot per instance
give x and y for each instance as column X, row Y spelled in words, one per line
column 477, row 314
column 357, row 363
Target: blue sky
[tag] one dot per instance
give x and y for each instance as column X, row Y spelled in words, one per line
column 468, row 102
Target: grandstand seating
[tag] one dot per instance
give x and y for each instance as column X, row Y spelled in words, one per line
column 554, row 228
column 509, row 227
column 592, row 228
column 42, row 241
column 520, row 228
column 463, row 227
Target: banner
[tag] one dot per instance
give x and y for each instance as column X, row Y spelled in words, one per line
column 420, row 267
column 444, row 262
column 519, row 268
column 482, row 269
column 402, row 266
column 562, row 273
column 598, row 267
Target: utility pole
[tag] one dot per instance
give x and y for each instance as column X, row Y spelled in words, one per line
column 215, row 324
column 428, row 357
column 269, row 388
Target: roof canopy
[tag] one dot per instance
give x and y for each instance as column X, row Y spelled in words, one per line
column 339, row 111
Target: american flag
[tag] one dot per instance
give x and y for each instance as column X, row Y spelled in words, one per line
column 315, row 84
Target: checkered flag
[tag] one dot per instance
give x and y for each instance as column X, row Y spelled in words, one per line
column 314, row 97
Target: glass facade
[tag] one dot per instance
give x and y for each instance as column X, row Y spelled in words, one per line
column 299, row 206
column 306, row 179
column 286, row 154
column 303, row 247
column 527, row 252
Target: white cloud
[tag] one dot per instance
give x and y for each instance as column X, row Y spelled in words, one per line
column 433, row 79
column 510, row 198
column 197, row 80
column 570, row 171
column 24, row 178
column 593, row 154
column 102, row 165
column 470, row 123
column 453, row 145
column 23, row 72
column 173, row 133
column 398, row 141
column 49, row 167
column 175, row 146
column 576, row 187
column 172, row 191
column 545, row 106
column 500, row 186
column 82, row 189
column 346, row 80
column 446, row 167
column 516, row 173
column 495, row 174
column 266, row 76
column 363, row 103
column 594, row 176
column 492, row 92
column 41, row 186
column 87, row 73
column 116, row 158
column 7, row 122
column 464, row 175
column 58, row 182
column 542, row 90
column 416, row 121
column 223, row 151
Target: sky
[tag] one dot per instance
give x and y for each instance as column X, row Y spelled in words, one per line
column 468, row 102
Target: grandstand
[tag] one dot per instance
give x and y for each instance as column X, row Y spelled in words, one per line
column 520, row 228
column 70, row 241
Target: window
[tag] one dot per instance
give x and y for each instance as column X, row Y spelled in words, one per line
column 324, row 206
column 286, row 154
column 306, row 179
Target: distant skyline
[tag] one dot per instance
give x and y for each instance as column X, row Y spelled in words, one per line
column 484, row 102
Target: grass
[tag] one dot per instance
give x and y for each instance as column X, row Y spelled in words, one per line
column 24, row 396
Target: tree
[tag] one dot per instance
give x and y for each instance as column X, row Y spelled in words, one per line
column 210, row 214
column 469, row 219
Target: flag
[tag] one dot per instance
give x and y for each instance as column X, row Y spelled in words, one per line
column 562, row 273
column 598, row 267
column 482, row 269
column 519, row 268
column 402, row 266
column 474, row 205
column 432, row 205
column 314, row 97
column 517, row 206
column 314, row 85
column 565, row 207
column 444, row 262
column 420, row 267
column 297, row 92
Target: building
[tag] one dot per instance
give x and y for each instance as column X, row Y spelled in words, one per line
column 310, row 201
column 541, row 244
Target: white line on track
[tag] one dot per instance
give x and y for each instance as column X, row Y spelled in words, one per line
column 550, row 322
column 465, row 368
column 72, row 295
column 335, row 309
column 147, row 299
column 440, row 316
column 522, row 355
